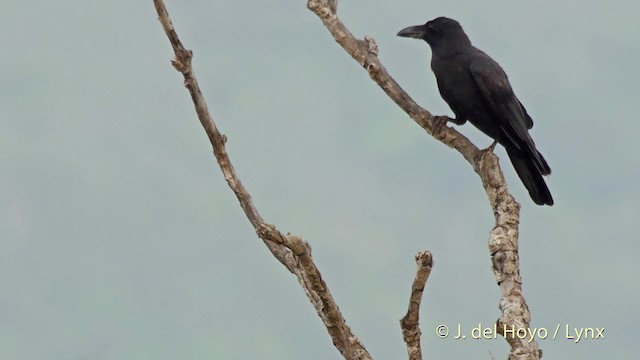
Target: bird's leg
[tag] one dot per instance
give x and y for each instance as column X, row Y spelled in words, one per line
column 492, row 146
column 488, row 150
column 457, row 120
column 440, row 121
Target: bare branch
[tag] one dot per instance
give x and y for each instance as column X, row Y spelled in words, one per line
column 410, row 323
column 503, row 242
column 292, row 251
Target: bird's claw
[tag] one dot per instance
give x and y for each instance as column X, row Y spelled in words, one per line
column 439, row 122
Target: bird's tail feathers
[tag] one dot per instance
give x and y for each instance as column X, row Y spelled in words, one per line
column 541, row 163
column 530, row 170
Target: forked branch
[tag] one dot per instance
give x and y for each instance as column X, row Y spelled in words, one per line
column 503, row 241
column 295, row 253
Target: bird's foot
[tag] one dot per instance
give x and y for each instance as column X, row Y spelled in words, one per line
column 439, row 122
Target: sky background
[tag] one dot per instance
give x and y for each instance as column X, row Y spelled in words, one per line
column 119, row 238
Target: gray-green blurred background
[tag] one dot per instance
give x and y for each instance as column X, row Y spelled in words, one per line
column 121, row 240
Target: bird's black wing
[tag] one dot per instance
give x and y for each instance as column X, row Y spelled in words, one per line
column 528, row 119
column 498, row 95
column 505, row 107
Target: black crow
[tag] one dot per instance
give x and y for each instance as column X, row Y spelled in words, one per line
column 477, row 89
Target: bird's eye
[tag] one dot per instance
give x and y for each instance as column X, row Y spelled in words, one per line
column 430, row 28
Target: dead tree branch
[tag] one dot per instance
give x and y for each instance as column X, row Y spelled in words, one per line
column 292, row 251
column 503, row 241
column 410, row 323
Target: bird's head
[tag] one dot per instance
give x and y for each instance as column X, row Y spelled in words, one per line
column 438, row 32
